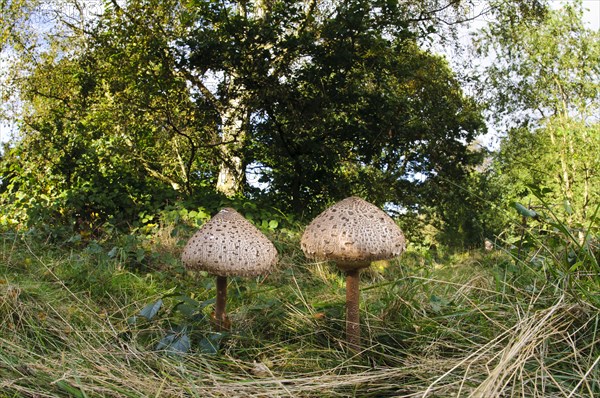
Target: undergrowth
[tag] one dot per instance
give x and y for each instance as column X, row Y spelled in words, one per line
column 92, row 319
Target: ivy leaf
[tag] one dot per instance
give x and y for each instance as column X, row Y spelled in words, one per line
column 211, row 343
column 150, row 310
column 176, row 343
column 186, row 309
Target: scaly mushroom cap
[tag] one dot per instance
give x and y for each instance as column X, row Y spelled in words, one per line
column 352, row 233
column 229, row 245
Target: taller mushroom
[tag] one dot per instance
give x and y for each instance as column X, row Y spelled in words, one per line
column 229, row 245
column 352, row 233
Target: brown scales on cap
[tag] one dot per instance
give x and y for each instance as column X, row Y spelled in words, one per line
column 229, row 245
column 352, row 233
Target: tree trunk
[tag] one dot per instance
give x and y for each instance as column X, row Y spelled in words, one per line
column 235, row 123
column 231, row 173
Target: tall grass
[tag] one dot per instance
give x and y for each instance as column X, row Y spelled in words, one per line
column 476, row 325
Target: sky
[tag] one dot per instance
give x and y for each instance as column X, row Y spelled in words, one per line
column 591, row 17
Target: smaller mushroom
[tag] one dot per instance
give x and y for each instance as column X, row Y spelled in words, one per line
column 228, row 245
column 352, row 233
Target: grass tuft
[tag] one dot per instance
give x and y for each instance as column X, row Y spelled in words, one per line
column 476, row 325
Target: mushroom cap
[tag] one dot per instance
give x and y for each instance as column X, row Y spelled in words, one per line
column 229, row 245
column 352, row 233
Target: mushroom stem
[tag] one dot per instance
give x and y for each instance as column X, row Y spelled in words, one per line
column 220, row 316
column 352, row 315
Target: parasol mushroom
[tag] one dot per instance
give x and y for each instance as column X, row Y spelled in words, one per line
column 228, row 245
column 352, row 233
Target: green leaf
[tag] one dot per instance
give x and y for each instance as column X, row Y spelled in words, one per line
column 575, row 266
column 183, row 298
column 206, row 303
column 273, row 224
column 140, row 255
column 190, row 308
column 113, row 252
column 150, row 310
column 69, row 389
column 211, row 343
column 524, row 211
column 176, row 343
column 186, row 310
column 437, row 303
column 202, row 215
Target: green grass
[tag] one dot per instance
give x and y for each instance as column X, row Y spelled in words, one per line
column 474, row 324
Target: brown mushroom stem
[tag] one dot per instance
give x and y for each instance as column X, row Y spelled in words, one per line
column 352, row 314
column 220, row 317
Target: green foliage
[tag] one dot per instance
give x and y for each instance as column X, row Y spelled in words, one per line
column 186, row 326
column 543, row 94
column 131, row 117
column 68, row 169
column 156, row 98
column 570, row 250
column 546, row 67
column 370, row 125
column 560, row 159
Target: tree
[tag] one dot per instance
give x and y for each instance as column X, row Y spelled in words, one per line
column 72, row 165
column 328, row 98
column 559, row 159
column 384, row 127
column 337, row 98
column 101, row 133
column 545, row 89
column 543, row 67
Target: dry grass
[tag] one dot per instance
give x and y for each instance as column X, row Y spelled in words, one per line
column 479, row 341
column 519, row 362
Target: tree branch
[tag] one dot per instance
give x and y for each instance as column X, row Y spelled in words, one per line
column 197, row 82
